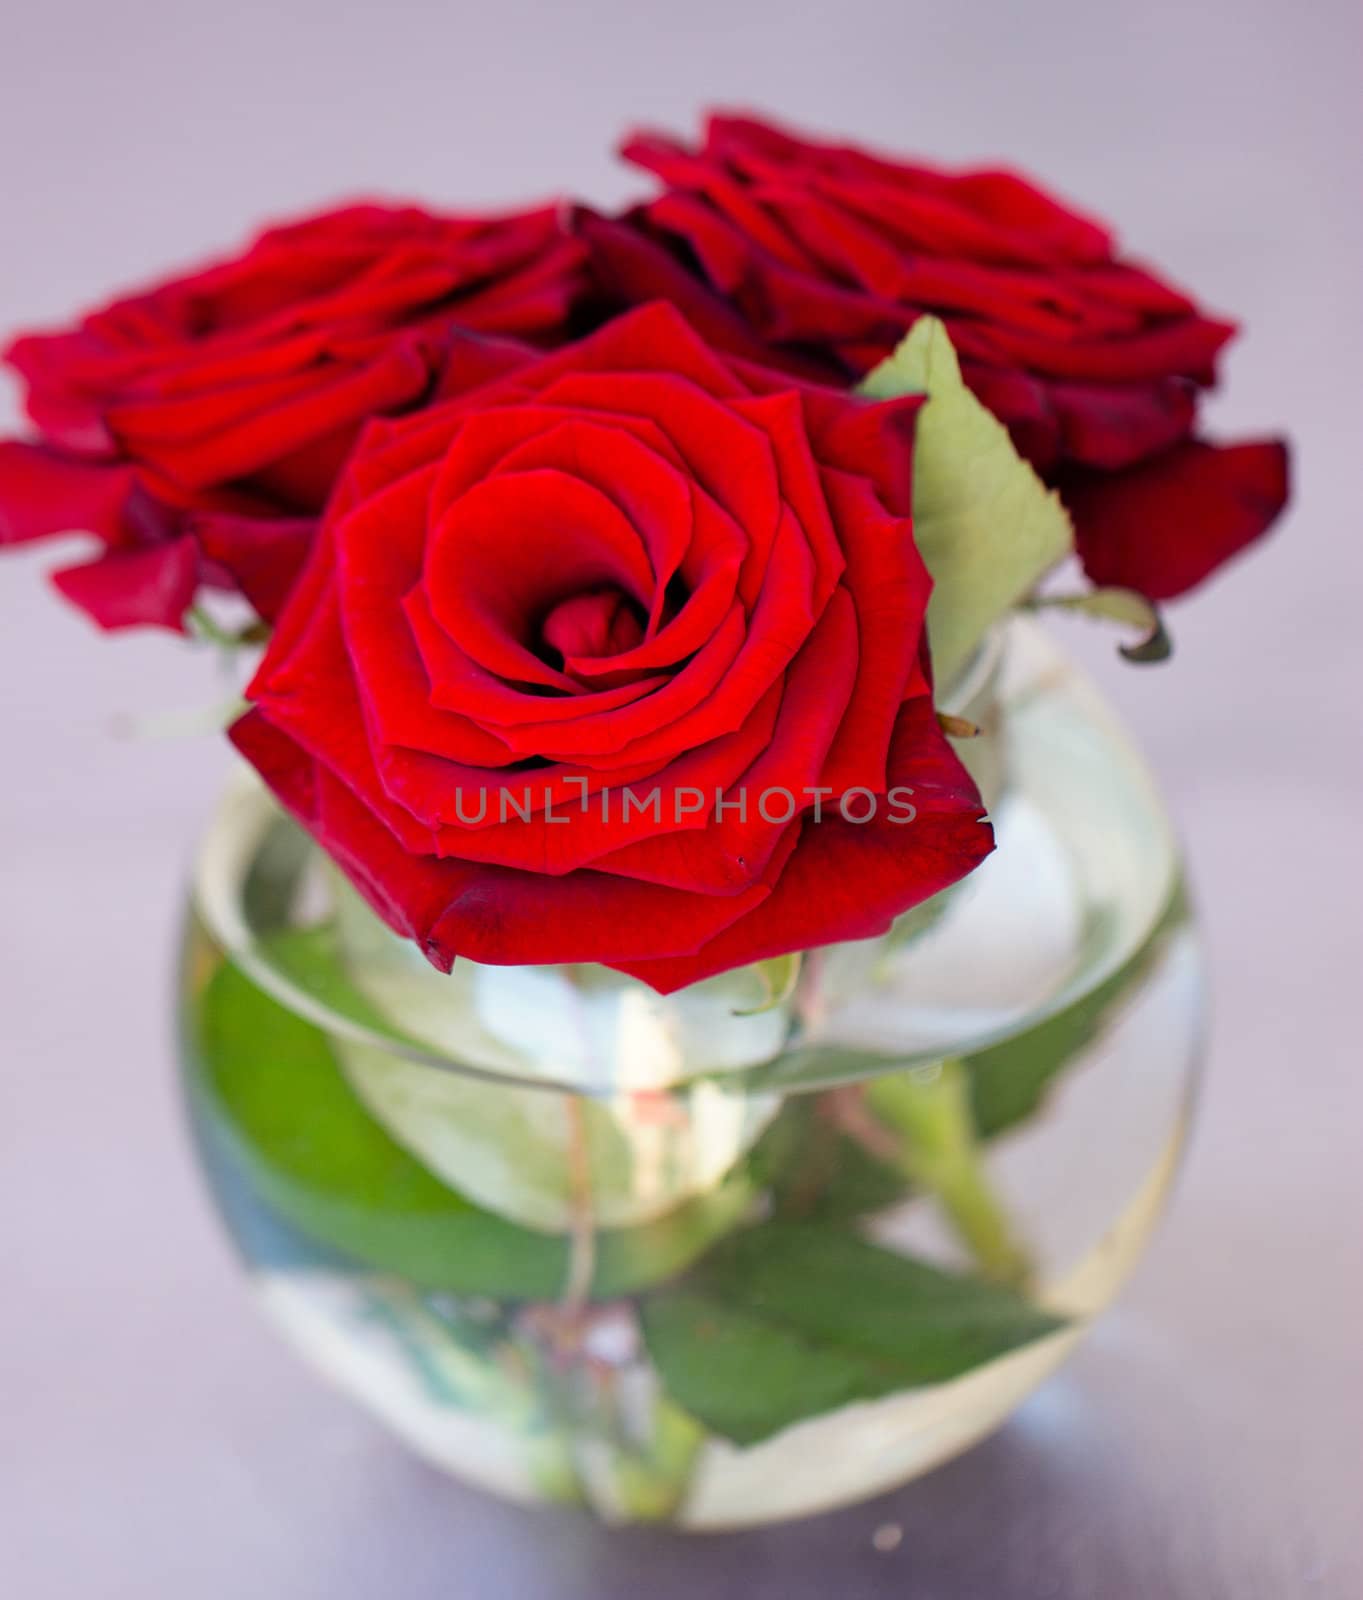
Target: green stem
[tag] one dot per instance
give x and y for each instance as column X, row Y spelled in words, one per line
column 937, row 1147
column 550, row 1455
column 633, row 1463
column 582, row 1210
column 203, row 625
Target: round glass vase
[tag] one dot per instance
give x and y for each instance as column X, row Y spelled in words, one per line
column 750, row 1251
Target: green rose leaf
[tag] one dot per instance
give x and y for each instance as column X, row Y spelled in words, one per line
column 815, row 1173
column 268, row 1090
column 310, row 960
column 986, row 525
column 1124, row 607
column 786, row 1321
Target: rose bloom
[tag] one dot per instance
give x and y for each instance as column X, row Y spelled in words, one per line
column 630, row 567
column 824, row 255
column 196, row 428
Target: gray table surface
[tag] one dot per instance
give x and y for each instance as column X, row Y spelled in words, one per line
column 154, row 1437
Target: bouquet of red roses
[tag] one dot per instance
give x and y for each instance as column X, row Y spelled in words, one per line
column 628, row 590
column 586, row 513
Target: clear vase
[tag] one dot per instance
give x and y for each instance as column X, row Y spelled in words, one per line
column 743, row 1253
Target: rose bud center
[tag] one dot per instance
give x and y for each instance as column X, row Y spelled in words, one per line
column 599, row 623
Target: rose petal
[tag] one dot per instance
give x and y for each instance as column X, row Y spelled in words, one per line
column 135, row 588
column 45, row 491
column 1164, row 526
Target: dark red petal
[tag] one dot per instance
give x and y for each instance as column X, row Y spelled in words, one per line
column 654, row 337
column 1112, row 426
column 301, row 482
column 1013, row 201
column 45, row 491
column 291, row 628
column 534, row 302
column 1162, row 527
column 1039, row 300
column 872, row 440
column 57, row 402
column 632, row 268
column 594, row 625
column 1022, row 403
column 135, row 588
column 469, row 361
column 1187, row 347
column 221, row 435
column 263, row 556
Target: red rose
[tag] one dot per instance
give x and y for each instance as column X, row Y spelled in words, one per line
column 197, row 428
column 631, row 571
column 827, row 254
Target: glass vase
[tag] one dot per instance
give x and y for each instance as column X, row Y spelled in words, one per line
column 746, row 1252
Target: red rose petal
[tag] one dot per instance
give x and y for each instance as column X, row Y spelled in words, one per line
column 135, row 588
column 1162, row 527
column 45, row 492
column 567, row 537
column 264, row 555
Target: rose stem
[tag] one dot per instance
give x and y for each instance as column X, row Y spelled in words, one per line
column 581, row 1224
column 927, row 1111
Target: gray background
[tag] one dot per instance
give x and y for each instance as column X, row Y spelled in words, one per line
column 154, row 1438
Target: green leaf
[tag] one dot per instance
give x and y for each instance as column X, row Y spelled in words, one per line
column 986, row 525
column 815, row 1173
column 268, row 1086
column 310, row 959
column 1123, row 606
column 786, row 1321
